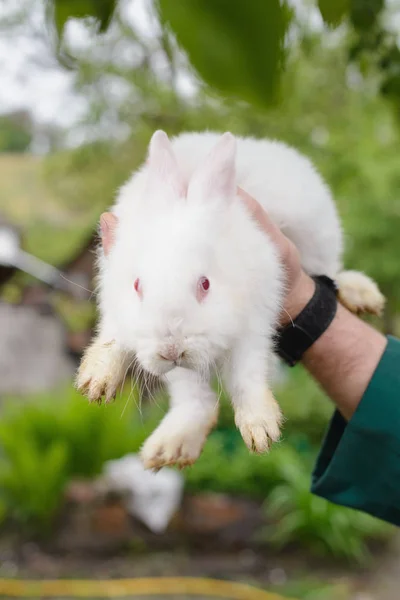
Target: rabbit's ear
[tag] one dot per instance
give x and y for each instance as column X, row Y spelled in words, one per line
column 216, row 177
column 108, row 226
column 163, row 171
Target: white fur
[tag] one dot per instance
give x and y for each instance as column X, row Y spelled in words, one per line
column 180, row 219
column 359, row 293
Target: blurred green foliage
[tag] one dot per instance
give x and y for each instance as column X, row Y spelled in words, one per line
column 101, row 11
column 53, row 438
column 310, row 587
column 240, row 50
column 31, row 479
column 296, row 518
column 76, row 315
column 15, row 134
column 334, row 13
column 300, row 518
column 50, row 228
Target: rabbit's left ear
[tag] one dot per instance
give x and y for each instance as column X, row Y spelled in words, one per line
column 216, row 177
column 163, row 170
column 108, row 226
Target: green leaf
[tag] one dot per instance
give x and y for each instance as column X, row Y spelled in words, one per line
column 105, row 11
column 333, row 11
column 365, row 13
column 237, row 49
column 63, row 11
column 101, row 10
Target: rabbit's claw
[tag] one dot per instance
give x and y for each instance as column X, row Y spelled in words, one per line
column 259, row 423
column 259, row 438
column 99, row 374
column 174, row 442
column 160, row 451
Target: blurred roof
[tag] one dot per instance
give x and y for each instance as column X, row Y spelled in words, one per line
column 50, row 230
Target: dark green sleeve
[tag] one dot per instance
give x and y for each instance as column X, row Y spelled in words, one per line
column 359, row 463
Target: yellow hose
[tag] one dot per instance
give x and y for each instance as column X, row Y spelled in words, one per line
column 118, row 588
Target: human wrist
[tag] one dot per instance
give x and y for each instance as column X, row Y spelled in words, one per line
column 297, row 298
column 312, row 307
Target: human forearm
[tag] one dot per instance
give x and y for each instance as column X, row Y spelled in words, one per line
column 345, row 356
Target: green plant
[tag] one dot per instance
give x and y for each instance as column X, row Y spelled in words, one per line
column 306, row 587
column 32, row 480
column 228, row 470
column 298, row 517
column 305, row 407
column 243, row 52
column 53, row 438
column 15, row 132
column 295, row 516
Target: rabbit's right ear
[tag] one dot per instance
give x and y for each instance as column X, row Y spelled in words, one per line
column 163, row 170
column 216, row 177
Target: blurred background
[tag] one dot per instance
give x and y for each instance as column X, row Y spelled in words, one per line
column 83, row 85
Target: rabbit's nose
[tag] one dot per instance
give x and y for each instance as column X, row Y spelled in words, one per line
column 171, row 353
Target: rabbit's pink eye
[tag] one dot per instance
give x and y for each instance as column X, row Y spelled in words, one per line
column 137, row 286
column 205, row 284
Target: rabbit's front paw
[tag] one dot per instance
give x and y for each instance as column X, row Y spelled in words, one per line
column 258, row 420
column 174, row 442
column 100, row 372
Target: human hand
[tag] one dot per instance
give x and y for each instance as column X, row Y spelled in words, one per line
column 299, row 286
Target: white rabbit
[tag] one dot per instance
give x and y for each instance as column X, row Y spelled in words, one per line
column 190, row 284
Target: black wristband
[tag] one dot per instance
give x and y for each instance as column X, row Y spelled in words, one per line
column 298, row 336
